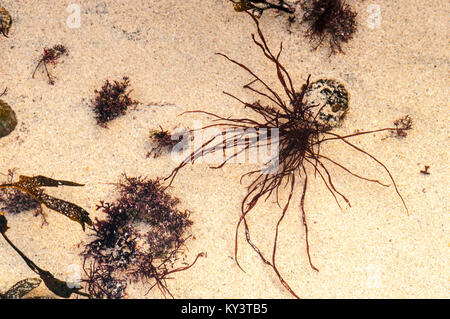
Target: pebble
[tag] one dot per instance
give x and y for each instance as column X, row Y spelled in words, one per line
column 8, row 120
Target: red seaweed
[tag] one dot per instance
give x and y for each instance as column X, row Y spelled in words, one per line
column 50, row 55
column 332, row 19
column 112, row 101
column 120, row 253
column 302, row 137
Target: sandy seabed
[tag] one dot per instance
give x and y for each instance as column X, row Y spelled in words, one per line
column 371, row 250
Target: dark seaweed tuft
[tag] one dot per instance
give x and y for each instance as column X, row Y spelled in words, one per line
column 332, row 19
column 403, row 124
column 112, row 101
column 163, row 140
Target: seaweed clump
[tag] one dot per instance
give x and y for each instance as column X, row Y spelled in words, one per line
column 51, row 56
column 283, row 120
column 425, row 171
column 333, row 19
column 402, row 125
column 405, row 123
column 112, row 100
column 140, row 239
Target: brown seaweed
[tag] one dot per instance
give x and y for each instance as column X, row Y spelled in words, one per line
column 21, row 288
column 14, row 201
column 32, row 186
column 55, row 285
column 257, row 7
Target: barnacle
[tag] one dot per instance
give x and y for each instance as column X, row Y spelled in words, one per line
column 332, row 99
column 5, row 21
column 32, row 186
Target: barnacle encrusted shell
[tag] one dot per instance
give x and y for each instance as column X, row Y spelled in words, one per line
column 8, row 120
column 333, row 96
column 5, row 21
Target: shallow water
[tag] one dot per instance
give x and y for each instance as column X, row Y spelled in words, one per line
column 371, row 250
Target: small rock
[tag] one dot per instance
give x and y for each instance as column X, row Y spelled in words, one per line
column 8, row 120
column 5, row 21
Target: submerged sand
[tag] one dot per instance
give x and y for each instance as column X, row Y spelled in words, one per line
column 373, row 249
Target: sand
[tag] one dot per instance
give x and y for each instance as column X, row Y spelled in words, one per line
column 372, row 250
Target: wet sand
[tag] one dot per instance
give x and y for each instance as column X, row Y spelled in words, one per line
column 372, row 250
